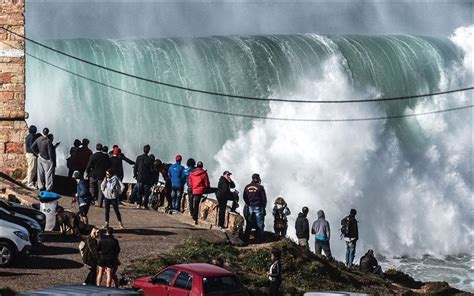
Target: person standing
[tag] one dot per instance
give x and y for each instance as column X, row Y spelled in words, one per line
column 350, row 233
column 82, row 196
column 112, row 188
column 302, row 228
column 191, row 165
column 322, row 233
column 274, row 275
column 71, row 161
column 90, row 256
column 43, row 147
column 224, row 194
column 176, row 175
column 256, row 200
column 116, row 163
column 280, row 214
column 109, row 250
column 31, row 158
column 98, row 164
column 199, row 182
column 83, row 155
column 143, row 173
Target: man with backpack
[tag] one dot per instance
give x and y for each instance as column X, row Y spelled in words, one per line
column 350, row 233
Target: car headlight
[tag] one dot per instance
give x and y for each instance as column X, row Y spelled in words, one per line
column 21, row 235
column 34, row 225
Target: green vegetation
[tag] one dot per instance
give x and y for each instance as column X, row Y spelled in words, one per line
column 302, row 271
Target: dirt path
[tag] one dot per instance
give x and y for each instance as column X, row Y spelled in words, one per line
column 146, row 233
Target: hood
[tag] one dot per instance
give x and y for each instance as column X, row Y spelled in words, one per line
column 301, row 215
column 321, row 214
column 198, row 172
column 32, row 129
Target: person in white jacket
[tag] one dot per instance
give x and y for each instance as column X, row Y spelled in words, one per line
column 112, row 188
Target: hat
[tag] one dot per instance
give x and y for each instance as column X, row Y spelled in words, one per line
column 76, row 175
column 227, row 173
column 255, row 177
column 179, row 157
column 116, row 151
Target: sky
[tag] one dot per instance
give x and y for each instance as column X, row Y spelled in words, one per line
column 69, row 19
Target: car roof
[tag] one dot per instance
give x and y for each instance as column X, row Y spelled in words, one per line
column 203, row 269
column 80, row 290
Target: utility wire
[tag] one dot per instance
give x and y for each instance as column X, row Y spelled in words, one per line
column 247, row 115
column 230, row 95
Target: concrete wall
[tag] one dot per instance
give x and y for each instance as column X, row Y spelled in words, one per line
column 13, row 127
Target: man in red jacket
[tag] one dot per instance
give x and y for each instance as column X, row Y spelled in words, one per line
column 199, row 184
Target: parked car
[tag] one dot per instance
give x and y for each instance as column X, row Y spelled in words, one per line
column 27, row 211
column 196, row 279
column 34, row 229
column 14, row 242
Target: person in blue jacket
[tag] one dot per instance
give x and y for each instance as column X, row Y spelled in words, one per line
column 176, row 173
column 191, row 165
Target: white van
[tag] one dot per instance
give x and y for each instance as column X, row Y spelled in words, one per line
column 14, row 241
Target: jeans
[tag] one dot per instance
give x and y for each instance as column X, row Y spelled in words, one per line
column 176, row 194
column 196, row 201
column 324, row 246
column 259, row 219
column 350, row 252
column 114, row 202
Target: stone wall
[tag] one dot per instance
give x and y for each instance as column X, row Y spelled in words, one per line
column 13, row 127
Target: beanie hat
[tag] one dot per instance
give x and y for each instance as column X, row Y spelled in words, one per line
column 179, row 157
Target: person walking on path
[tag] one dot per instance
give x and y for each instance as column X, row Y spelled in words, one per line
column 112, row 188
column 256, row 200
column 199, row 182
column 83, row 155
column 98, row 164
column 350, row 233
column 143, row 173
column 322, row 233
column 82, row 196
column 280, row 214
column 274, row 275
column 109, row 250
column 224, row 194
column 191, row 166
column 90, row 256
column 368, row 263
column 71, row 161
column 31, row 158
column 176, row 175
column 43, row 147
column 302, row 228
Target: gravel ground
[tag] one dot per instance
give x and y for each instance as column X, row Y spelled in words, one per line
column 146, row 233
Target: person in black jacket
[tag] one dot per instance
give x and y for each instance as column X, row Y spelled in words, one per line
column 143, row 172
column 30, row 157
column 368, row 263
column 99, row 163
column 351, row 235
column 302, row 228
column 256, row 200
column 274, row 274
column 109, row 250
column 224, row 194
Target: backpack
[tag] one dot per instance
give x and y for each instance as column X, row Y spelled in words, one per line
column 345, row 227
column 84, row 250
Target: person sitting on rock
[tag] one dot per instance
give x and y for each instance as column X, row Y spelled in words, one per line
column 280, row 213
column 368, row 263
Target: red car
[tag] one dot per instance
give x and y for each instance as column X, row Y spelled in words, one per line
column 196, row 279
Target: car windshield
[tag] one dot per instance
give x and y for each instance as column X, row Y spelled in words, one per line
column 221, row 284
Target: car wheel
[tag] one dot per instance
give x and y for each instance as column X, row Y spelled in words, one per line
column 7, row 254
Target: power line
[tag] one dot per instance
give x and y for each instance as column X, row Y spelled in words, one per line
column 230, row 95
column 247, row 115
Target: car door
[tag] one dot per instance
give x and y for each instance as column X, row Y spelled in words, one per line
column 182, row 286
column 160, row 284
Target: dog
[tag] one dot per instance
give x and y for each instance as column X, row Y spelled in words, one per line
column 68, row 221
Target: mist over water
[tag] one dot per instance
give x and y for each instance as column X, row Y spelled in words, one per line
column 410, row 179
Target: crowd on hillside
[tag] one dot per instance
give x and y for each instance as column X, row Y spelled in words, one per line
column 99, row 177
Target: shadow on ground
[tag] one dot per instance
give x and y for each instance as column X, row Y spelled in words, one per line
column 141, row 231
column 35, row 262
